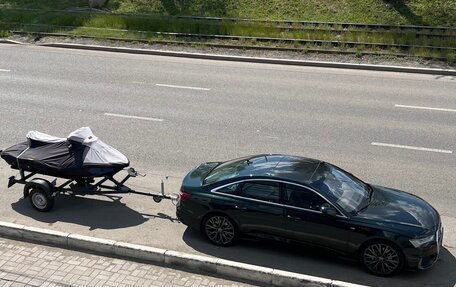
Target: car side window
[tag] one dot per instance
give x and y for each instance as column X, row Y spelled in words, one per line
column 266, row 191
column 230, row 189
column 301, row 197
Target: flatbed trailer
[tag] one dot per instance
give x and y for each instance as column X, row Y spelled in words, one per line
column 42, row 192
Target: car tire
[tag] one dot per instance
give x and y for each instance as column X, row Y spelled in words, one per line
column 40, row 200
column 381, row 258
column 220, row 230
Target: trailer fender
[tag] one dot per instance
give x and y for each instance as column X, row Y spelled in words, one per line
column 43, row 184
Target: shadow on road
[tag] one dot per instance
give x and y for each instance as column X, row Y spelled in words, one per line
column 452, row 78
column 94, row 213
column 321, row 262
column 160, row 215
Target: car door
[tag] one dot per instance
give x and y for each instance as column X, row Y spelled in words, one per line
column 306, row 223
column 258, row 207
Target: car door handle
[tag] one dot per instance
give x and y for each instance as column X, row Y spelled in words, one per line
column 240, row 207
column 293, row 217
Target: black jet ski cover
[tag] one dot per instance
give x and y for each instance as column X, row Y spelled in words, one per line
column 82, row 154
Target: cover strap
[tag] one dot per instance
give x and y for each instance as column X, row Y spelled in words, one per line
column 17, row 158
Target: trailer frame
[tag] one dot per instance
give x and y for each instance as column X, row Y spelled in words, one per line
column 42, row 191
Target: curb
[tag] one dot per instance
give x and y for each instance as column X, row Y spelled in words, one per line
column 170, row 258
column 6, row 41
column 444, row 72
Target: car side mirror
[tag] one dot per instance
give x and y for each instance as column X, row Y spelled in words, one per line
column 328, row 210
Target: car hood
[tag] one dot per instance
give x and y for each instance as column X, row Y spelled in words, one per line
column 395, row 206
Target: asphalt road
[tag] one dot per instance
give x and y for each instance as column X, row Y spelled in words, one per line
column 189, row 111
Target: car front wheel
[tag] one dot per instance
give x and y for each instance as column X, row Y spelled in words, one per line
column 220, row 230
column 381, row 258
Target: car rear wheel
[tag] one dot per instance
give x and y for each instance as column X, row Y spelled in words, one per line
column 220, row 230
column 40, row 200
column 382, row 258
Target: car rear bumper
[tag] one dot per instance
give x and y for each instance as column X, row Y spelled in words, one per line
column 188, row 218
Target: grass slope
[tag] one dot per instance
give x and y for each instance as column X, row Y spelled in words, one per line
column 414, row 12
column 147, row 20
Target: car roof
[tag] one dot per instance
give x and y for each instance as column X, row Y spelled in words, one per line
column 279, row 166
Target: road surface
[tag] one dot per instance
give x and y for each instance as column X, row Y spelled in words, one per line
column 170, row 114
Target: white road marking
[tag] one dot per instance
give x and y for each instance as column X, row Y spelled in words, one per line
column 183, row 87
column 133, row 117
column 3, row 70
column 412, row 147
column 271, row 137
column 425, row 108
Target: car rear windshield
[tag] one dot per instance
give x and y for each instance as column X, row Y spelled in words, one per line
column 350, row 193
column 261, row 164
column 226, row 170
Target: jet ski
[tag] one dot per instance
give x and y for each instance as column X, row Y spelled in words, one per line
column 79, row 156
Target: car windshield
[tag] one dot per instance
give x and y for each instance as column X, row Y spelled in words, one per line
column 350, row 193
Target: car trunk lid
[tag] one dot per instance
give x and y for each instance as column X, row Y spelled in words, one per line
column 197, row 175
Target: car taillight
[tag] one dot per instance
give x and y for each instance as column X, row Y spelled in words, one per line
column 183, row 195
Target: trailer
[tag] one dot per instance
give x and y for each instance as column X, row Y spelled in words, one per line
column 42, row 192
column 86, row 165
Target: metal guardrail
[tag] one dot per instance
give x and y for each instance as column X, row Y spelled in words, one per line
column 441, row 34
column 342, row 31
column 304, row 41
column 261, row 21
column 345, row 44
column 218, row 45
column 317, row 23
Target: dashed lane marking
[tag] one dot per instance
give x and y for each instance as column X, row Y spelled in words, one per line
column 412, row 147
column 425, row 108
column 133, row 117
column 182, row 87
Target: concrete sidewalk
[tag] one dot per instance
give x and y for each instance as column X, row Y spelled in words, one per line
column 27, row 264
column 170, row 258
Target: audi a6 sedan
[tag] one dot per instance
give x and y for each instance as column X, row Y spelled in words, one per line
column 298, row 199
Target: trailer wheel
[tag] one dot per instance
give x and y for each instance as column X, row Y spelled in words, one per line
column 40, row 200
column 157, row 198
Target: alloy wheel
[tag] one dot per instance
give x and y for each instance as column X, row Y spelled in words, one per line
column 381, row 259
column 220, row 230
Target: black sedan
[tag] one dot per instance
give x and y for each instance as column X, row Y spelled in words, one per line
column 305, row 200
